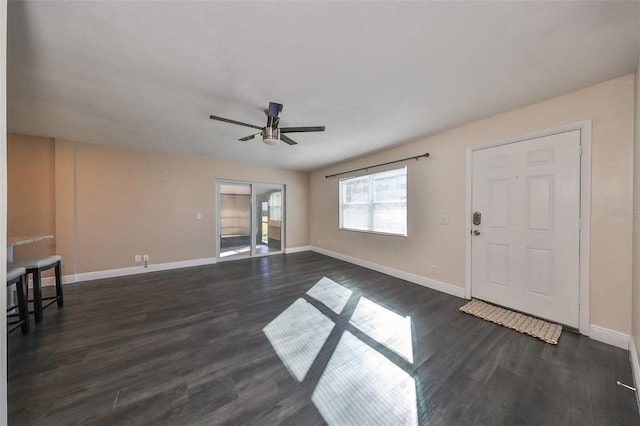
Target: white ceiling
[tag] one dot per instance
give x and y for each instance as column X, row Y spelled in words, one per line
column 147, row 75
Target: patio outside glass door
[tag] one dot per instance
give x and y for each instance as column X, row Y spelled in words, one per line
column 250, row 219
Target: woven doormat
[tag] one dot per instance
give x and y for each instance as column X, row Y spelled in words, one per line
column 543, row 330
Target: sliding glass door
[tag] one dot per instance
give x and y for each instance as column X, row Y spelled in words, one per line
column 250, row 219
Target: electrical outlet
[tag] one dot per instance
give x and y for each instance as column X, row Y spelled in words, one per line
column 138, row 258
column 444, row 219
column 145, row 257
column 198, row 216
column 434, row 269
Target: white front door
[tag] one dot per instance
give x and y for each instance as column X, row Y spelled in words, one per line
column 525, row 249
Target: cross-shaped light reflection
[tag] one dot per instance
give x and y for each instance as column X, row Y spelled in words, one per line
column 359, row 384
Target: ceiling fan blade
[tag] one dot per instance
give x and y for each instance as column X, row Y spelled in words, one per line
column 239, row 123
column 301, row 129
column 248, row 138
column 274, row 109
column 287, row 139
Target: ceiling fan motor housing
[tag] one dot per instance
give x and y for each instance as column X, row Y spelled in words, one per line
column 270, row 136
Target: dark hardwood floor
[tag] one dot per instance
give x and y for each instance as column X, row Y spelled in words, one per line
column 268, row 341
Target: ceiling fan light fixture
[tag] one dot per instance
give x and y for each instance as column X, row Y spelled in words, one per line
column 270, row 136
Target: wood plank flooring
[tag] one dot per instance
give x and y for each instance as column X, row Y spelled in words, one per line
column 244, row 343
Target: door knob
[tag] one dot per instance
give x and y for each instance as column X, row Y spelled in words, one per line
column 476, row 232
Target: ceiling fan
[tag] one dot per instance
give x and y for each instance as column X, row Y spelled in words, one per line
column 271, row 134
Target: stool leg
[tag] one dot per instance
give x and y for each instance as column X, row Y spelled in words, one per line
column 37, row 296
column 22, row 304
column 59, row 296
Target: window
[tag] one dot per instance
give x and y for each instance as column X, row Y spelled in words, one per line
column 375, row 202
column 275, row 204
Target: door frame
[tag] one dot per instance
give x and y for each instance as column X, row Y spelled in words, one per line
column 585, row 209
column 254, row 225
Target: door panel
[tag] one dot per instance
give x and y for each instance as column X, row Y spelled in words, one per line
column 539, row 271
column 540, row 201
column 234, row 228
column 269, row 217
column 498, row 264
column 526, row 251
column 499, row 203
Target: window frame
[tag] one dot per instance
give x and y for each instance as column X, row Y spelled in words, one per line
column 371, row 203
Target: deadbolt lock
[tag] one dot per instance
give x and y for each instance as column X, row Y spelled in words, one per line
column 477, row 218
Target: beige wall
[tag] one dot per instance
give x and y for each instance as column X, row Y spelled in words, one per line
column 110, row 204
column 437, row 186
column 636, row 219
column 31, row 192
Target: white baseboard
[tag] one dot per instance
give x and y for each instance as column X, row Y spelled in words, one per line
column 635, row 368
column 610, row 337
column 111, row 273
column 297, row 249
column 413, row 278
column 121, row 272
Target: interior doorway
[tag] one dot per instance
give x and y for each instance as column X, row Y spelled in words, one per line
column 250, row 219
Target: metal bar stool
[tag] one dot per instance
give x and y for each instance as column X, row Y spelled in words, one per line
column 35, row 267
column 18, row 277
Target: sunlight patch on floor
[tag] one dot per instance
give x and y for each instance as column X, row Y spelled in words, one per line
column 331, row 294
column 360, row 386
column 297, row 335
column 236, row 251
column 384, row 326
